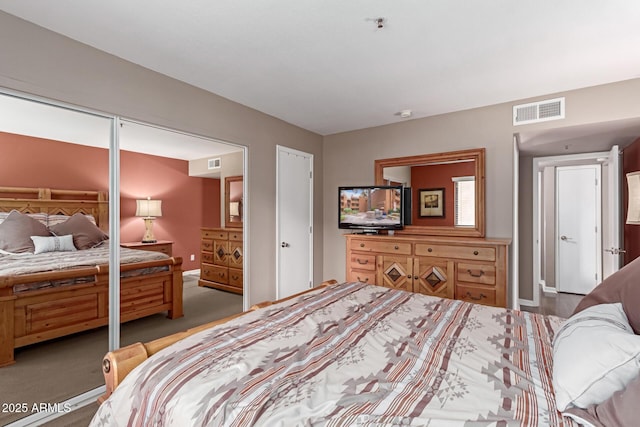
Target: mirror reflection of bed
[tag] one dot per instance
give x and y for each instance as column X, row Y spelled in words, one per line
column 70, row 359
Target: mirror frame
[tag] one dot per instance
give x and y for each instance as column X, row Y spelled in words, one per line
column 227, row 195
column 477, row 155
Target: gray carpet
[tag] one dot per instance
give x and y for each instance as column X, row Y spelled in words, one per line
column 57, row 370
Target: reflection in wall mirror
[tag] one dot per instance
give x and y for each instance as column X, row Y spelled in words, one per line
column 233, row 194
column 447, row 191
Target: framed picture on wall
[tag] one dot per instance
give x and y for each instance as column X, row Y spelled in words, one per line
column 431, row 202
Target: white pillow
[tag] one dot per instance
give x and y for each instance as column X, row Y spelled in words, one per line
column 53, row 244
column 595, row 353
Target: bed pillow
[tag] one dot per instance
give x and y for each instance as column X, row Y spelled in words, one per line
column 595, row 354
column 16, row 231
column 624, row 287
column 85, row 234
column 620, row 410
column 53, row 244
column 59, row 219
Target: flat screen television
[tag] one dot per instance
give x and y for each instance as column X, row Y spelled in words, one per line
column 370, row 208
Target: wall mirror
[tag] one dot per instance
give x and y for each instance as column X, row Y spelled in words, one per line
column 233, row 201
column 446, row 191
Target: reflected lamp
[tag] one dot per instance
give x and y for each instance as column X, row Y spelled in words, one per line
column 148, row 210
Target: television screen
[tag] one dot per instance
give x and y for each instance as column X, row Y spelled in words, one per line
column 370, row 208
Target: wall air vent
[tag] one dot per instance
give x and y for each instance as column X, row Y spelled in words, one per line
column 214, row 163
column 541, row 111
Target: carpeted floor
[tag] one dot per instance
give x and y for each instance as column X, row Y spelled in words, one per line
column 57, row 370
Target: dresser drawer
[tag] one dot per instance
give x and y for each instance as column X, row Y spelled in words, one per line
column 206, row 245
column 207, row 257
column 364, row 276
column 362, row 261
column 214, row 273
column 466, row 252
column 402, row 248
column 477, row 294
column 476, row 273
column 235, row 236
column 215, row 234
column 235, row 277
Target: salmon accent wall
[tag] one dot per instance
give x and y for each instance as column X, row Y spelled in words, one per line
column 630, row 163
column 188, row 203
column 433, row 177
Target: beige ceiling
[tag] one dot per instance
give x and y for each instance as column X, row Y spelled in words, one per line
column 325, row 66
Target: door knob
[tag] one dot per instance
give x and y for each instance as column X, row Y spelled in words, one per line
column 284, row 245
column 563, row 237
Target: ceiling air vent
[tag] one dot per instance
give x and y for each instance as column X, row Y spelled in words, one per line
column 541, row 111
column 214, row 163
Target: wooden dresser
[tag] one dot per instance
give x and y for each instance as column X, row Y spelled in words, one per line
column 470, row 269
column 221, row 259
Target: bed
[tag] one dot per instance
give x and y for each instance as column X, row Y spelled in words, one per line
column 357, row 354
column 58, row 292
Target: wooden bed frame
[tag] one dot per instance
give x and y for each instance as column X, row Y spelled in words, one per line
column 33, row 316
column 117, row 364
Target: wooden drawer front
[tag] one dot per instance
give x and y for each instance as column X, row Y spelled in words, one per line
column 364, row 276
column 477, row 273
column 215, row 234
column 362, row 261
column 141, row 296
column 235, row 277
column 477, row 294
column 206, row 245
column 402, row 248
column 466, row 252
column 207, row 257
column 235, row 235
column 56, row 314
column 214, row 273
column 164, row 248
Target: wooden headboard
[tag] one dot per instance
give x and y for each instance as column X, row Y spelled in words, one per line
column 57, row 202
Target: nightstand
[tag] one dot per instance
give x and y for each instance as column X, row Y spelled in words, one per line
column 163, row 246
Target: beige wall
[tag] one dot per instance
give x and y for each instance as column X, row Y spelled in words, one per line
column 349, row 157
column 43, row 63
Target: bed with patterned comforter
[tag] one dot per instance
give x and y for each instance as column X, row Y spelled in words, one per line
column 350, row 354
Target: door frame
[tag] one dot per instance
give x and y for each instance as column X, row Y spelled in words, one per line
column 283, row 149
column 538, row 164
column 599, row 226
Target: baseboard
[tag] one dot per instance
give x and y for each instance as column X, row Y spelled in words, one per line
column 527, row 302
column 191, row 272
column 548, row 289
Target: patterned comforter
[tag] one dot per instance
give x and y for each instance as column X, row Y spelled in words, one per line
column 350, row 354
column 27, row 263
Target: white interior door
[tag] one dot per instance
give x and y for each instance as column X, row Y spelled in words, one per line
column 578, row 205
column 294, row 217
column 612, row 256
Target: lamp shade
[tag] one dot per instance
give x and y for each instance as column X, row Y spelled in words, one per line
column 148, row 208
column 633, row 213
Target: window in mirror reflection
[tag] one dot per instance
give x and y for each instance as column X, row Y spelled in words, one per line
column 465, row 200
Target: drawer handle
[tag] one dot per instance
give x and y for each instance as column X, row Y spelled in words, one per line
column 396, row 247
column 476, row 298
column 235, row 277
column 471, row 273
column 362, row 245
column 475, row 252
column 429, row 250
column 359, row 261
column 220, row 274
column 409, row 276
column 364, row 281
